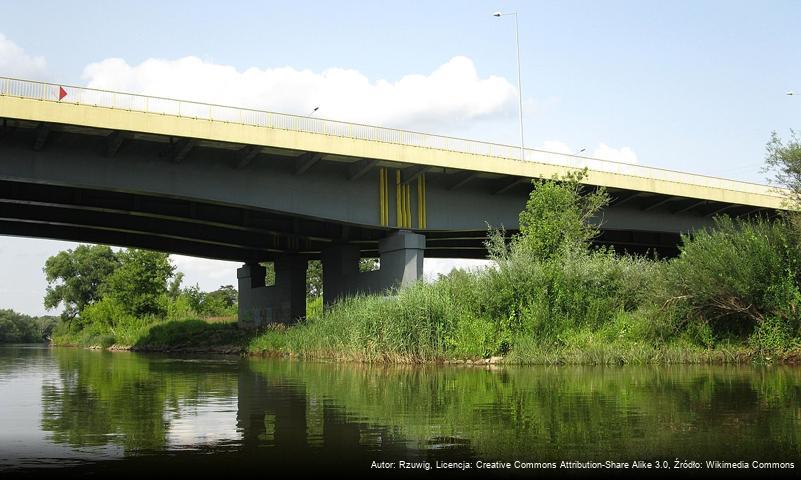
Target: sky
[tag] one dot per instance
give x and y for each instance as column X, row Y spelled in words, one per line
column 694, row 86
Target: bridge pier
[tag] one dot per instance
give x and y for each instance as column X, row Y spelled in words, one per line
column 284, row 302
column 401, row 263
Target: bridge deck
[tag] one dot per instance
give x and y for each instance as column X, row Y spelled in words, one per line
column 116, row 111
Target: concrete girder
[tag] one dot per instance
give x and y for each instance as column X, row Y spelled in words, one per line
column 508, row 185
column 360, row 168
column 464, row 179
column 306, row 161
column 179, row 149
column 410, row 174
column 42, row 132
column 658, row 203
column 246, row 154
column 114, row 141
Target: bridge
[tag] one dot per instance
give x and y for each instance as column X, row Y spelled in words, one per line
column 230, row 183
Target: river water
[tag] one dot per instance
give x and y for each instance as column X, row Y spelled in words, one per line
column 87, row 411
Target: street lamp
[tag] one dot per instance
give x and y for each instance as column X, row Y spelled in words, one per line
column 519, row 83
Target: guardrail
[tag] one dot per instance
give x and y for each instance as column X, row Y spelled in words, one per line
column 209, row 111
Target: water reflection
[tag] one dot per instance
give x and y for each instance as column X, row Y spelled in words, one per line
column 77, row 407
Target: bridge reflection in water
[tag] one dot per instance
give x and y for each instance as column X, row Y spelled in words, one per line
column 116, row 413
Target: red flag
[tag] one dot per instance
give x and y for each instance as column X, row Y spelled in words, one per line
column 61, row 93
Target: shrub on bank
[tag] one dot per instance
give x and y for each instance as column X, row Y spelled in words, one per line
column 737, row 280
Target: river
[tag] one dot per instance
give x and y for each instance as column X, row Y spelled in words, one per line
column 114, row 412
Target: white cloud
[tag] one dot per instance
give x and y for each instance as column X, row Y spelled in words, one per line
column 209, row 274
column 622, row 155
column 15, row 62
column 433, row 267
column 452, row 93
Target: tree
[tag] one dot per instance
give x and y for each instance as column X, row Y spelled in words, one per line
column 558, row 215
column 18, row 328
column 226, row 295
column 175, row 285
column 140, row 281
column 784, row 162
column 74, row 277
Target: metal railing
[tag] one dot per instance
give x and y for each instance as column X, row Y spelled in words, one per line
column 245, row 116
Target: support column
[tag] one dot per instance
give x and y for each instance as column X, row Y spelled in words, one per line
column 340, row 268
column 401, row 263
column 402, row 258
column 284, row 302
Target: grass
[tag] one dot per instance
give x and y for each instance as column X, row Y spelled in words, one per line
column 176, row 335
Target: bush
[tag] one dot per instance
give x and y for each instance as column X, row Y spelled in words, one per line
column 734, row 277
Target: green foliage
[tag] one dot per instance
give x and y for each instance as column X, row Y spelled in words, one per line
column 774, row 336
column 220, row 302
column 558, row 216
column 110, row 312
column 784, row 162
column 18, row 328
column 139, row 281
column 174, row 289
column 734, row 277
column 74, row 277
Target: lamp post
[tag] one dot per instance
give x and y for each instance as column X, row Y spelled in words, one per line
column 519, row 83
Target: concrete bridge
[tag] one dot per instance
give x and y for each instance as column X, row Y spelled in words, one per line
column 237, row 184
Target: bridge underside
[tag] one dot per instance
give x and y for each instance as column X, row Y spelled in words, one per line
column 226, row 232
column 51, row 177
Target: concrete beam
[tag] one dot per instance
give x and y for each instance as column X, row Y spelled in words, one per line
column 720, row 209
column 659, row 203
column 180, row 149
column 463, row 179
column 5, row 129
column 42, row 132
column 691, row 206
column 306, row 161
column 246, row 154
column 114, row 141
column 410, row 174
column 508, row 185
column 360, row 168
column 624, row 198
column 90, row 234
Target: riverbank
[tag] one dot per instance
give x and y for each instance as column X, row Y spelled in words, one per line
column 202, row 336
column 192, row 335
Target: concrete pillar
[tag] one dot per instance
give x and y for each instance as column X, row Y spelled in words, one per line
column 340, row 267
column 284, row 302
column 401, row 259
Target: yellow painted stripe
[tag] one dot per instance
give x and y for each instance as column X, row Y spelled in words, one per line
column 398, row 199
column 423, row 211
column 408, row 206
column 381, row 196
